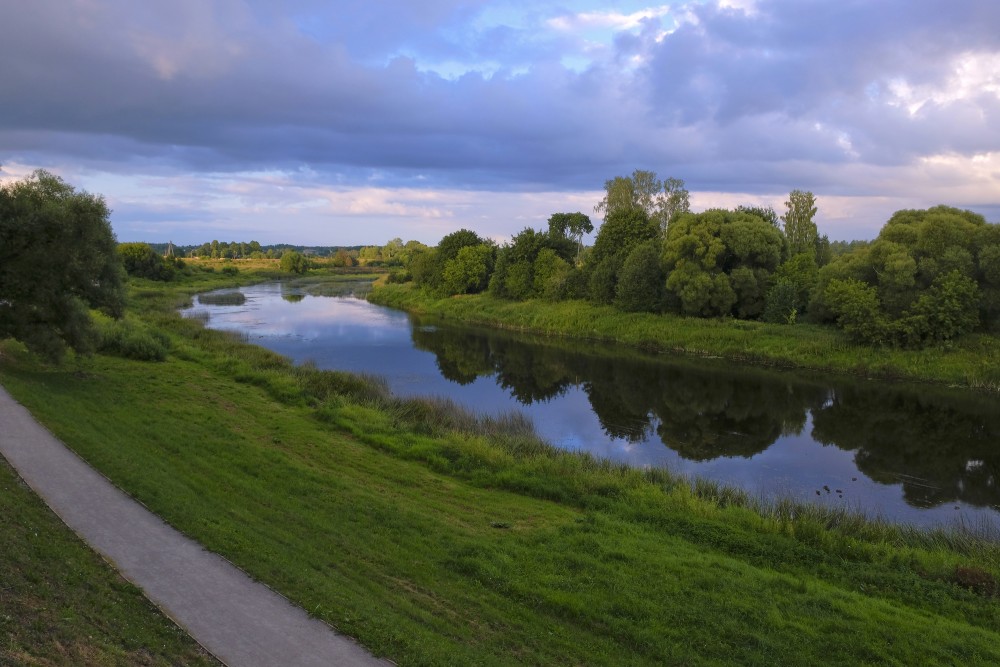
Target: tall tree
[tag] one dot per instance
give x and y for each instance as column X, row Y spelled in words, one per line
column 800, row 230
column 572, row 226
column 674, row 201
column 58, row 258
column 659, row 200
column 638, row 191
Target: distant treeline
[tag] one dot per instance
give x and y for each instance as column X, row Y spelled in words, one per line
column 929, row 277
column 248, row 250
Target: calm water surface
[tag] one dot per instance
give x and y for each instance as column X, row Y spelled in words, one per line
column 910, row 453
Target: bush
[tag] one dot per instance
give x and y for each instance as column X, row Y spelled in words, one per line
column 858, row 311
column 141, row 261
column 397, row 277
column 782, row 303
column 640, row 281
column 294, row 262
column 132, row 340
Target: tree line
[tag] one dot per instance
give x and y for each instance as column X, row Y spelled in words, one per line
column 929, row 277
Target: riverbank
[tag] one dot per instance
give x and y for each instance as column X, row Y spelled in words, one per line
column 437, row 537
column 972, row 363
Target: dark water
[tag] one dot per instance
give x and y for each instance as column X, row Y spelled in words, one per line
column 911, row 453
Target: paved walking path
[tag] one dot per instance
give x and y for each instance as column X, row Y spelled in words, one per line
column 239, row 621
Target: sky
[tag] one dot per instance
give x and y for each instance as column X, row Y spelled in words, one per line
column 354, row 122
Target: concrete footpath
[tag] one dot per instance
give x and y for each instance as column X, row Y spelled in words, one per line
column 238, row 620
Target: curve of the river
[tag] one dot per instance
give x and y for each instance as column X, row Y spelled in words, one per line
column 906, row 453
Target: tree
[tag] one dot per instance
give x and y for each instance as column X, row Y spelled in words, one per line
column 572, row 226
column 469, row 271
column 447, row 249
column 800, row 230
column 140, row 260
column 720, row 262
column 660, row 200
column 57, row 259
column 640, row 281
column 294, row 262
column 931, row 275
column 674, row 201
column 765, row 213
column 622, row 231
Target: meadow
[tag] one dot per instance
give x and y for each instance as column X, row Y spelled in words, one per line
column 436, row 536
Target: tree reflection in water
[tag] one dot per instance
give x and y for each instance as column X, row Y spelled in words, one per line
column 942, row 446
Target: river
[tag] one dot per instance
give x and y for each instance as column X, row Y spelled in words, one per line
column 908, row 453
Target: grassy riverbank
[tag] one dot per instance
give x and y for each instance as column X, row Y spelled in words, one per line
column 974, row 362
column 436, row 537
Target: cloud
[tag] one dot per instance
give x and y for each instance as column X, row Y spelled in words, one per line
column 748, row 97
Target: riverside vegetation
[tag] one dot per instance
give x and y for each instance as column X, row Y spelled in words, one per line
column 438, row 537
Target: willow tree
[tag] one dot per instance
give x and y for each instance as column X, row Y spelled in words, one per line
column 58, row 260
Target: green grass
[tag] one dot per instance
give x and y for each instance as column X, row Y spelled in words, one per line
column 974, row 362
column 436, row 537
column 60, row 604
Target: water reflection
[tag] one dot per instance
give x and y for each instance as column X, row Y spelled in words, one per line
column 941, row 447
column 910, row 453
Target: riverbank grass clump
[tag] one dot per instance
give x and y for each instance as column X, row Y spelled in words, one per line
column 438, row 537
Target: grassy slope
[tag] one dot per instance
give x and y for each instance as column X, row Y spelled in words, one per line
column 973, row 363
column 60, row 604
column 438, row 547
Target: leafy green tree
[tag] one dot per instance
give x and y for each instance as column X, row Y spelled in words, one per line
column 765, row 213
column 572, row 226
column 447, row 249
column 140, row 260
column 800, row 230
column 660, row 200
column 550, row 274
column 469, row 271
column 946, row 311
column 782, row 303
column 640, row 281
column 58, row 259
column 801, row 274
column 858, row 311
column 674, row 201
column 623, row 230
column 930, row 271
column 514, row 276
column 294, row 262
column 720, row 262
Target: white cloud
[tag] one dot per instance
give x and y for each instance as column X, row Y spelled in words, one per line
column 972, row 75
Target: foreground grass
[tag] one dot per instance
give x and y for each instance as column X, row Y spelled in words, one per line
column 973, row 363
column 438, row 538
column 60, row 604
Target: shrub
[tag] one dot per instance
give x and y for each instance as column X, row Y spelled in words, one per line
column 640, row 281
column 141, row 261
column 782, row 303
column 294, row 262
column 132, row 340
